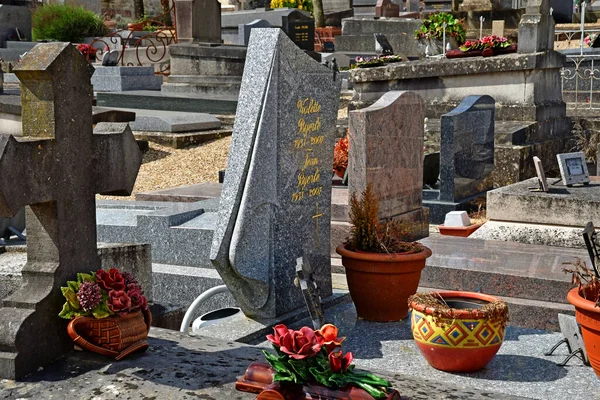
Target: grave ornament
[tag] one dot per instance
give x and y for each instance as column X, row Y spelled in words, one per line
column 539, row 168
column 276, row 199
column 60, row 165
column 573, row 168
column 382, row 45
column 110, row 58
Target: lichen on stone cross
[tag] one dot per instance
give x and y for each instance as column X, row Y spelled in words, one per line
column 56, row 170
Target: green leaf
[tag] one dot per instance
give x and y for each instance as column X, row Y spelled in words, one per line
column 320, row 377
column 85, row 278
column 301, row 368
column 373, row 391
column 73, row 285
column 71, row 297
column 67, row 312
column 282, row 377
column 101, row 311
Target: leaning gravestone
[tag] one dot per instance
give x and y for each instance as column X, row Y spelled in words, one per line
column 59, row 165
column 386, row 151
column 466, row 156
column 276, row 198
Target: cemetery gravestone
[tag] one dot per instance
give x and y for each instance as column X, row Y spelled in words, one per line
column 386, row 151
column 573, row 168
column 244, row 30
column 536, row 29
column 467, row 149
column 301, row 30
column 413, row 5
column 498, row 28
column 60, row 166
column 276, row 198
column 198, row 21
column 539, row 169
column 385, row 8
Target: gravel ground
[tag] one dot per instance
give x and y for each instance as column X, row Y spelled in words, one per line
column 165, row 167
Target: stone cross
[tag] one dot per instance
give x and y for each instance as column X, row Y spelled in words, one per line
column 536, row 29
column 56, row 168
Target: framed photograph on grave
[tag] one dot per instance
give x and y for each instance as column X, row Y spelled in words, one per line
column 573, row 168
column 539, row 168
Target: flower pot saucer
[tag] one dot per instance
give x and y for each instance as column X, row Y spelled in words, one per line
column 459, row 231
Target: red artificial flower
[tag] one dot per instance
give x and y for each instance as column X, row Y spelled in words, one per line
column 329, row 334
column 138, row 300
column 111, row 280
column 279, row 331
column 301, row 344
column 118, row 302
column 339, row 364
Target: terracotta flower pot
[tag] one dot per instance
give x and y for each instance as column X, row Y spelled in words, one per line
column 116, row 336
column 588, row 316
column 465, row 341
column 380, row 284
column 460, row 231
column 135, row 26
column 340, row 172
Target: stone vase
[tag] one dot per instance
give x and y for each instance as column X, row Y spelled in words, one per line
column 380, row 284
column 462, row 338
column 115, row 336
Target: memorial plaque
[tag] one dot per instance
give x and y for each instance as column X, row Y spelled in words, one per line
column 573, row 168
column 302, row 33
column 539, row 168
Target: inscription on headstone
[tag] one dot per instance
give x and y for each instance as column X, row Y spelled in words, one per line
column 302, row 33
column 276, row 198
column 573, row 168
column 59, row 167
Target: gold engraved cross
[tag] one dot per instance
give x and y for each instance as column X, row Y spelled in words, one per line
column 316, row 218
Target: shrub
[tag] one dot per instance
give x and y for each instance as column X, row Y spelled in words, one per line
column 433, row 28
column 65, row 23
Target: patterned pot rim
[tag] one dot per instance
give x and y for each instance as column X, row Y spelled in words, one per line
column 457, row 313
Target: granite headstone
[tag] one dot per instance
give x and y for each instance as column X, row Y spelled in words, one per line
column 467, row 149
column 59, row 167
column 301, row 30
column 386, row 151
column 276, row 198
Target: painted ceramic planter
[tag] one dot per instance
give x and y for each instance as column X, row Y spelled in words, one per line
column 467, row 342
column 380, row 284
column 588, row 316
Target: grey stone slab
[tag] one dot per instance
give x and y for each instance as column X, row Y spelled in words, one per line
column 171, row 121
column 11, row 17
column 274, row 17
column 154, row 100
column 67, row 164
column 467, row 149
column 191, row 193
column 118, row 79
column 276, row 197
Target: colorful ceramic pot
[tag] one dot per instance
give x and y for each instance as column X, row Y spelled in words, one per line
column 380, row 284
column 588, row 316
column 461, row 339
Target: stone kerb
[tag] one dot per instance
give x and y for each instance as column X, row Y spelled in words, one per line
column 60, row 166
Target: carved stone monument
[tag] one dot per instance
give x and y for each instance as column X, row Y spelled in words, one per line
column 276, row 198
column 59, row 165
column 198, row 21
column 536, row 29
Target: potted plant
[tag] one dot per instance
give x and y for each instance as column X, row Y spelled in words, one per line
column 108, row 312
column 382, row 270
column 458, row 331
column 487, row 46
column 88, row 51
column 306, row 361
column 432, row 32
column 340, row 157
column 586, row 299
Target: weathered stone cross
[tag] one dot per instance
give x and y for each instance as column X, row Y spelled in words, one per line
column 56, row 168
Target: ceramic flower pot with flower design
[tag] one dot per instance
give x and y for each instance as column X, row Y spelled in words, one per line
column 108, row 312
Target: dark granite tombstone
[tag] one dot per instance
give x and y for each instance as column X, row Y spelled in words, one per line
column 244, row 30
column 59, row 166
column 467, row 156
column 562, row 11
column 301, row 30
column 276, row 198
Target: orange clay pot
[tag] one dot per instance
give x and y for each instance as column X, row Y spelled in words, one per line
column 380, row 284
column 465, row 343
column 588, row 316
column 459, row 231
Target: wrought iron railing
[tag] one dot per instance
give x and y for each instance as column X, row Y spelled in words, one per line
column 149, row 39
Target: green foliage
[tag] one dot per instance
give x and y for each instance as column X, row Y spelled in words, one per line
column 433, row 28
column 65, row 23
column 72, row 308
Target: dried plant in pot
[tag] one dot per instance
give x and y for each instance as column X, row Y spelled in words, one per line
column 458, row 331
column 382, row 270
column 108, row 312
column 586, row 299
